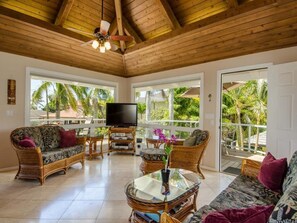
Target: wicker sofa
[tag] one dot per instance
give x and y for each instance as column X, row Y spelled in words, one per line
column 245, row 191
column 46, row 158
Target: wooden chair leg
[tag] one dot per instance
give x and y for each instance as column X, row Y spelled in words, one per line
column 200, row 172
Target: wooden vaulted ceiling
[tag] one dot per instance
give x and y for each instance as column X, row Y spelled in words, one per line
column 167, row 34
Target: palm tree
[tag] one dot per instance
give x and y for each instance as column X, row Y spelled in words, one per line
column 62, row 96
column 259, row 105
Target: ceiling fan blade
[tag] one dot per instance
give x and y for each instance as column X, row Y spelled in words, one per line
column 114, row 47
column 87, row 43
column 123, row 38
column 104, row 27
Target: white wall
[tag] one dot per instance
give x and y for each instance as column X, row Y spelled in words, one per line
column 210, row 71
column 14, row 67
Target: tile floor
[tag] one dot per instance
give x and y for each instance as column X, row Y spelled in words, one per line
column 93, row 194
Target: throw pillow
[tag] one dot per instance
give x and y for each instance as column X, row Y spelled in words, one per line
column 286, row 208
column 272, row 172
column 259, row 214
column 68, row 138
column 190, row 141
column 27, row 142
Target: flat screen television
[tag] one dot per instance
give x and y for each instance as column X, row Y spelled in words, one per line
column 121, row 114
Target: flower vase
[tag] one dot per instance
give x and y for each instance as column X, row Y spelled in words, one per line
column 165, row 181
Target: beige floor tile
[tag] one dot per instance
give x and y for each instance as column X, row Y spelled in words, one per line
column 115, row 210
column 83, row 210
column 90, row 194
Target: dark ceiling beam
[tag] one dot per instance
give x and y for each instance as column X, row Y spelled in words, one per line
column 118, row 9
column 169, row 14
column 232, row 3
column 63, row 12
column 113, row 27
column 131, row 31
column 42, row 24
column 231, row 12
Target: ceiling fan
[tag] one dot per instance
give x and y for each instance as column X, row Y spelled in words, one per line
column 103, row 39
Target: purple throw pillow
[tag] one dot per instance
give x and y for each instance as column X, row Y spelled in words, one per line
column 259, row 214
column 272, row 172
column 68, row 138
column 27, row 142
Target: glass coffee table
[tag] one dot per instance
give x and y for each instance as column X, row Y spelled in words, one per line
column 147, row 202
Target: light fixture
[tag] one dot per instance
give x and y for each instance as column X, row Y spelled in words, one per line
column 107, row 45
column 102, row 48
column 95, row 44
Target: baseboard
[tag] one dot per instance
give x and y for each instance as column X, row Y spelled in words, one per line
column 208, row 168
column 9, row 169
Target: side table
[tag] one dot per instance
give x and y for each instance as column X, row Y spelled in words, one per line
column 251, row 166
column 92, row 141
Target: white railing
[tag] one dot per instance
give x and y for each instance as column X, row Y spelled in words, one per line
column 247, row 140
column 79, row 123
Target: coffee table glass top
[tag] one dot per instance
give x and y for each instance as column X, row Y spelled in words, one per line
column 148, row 187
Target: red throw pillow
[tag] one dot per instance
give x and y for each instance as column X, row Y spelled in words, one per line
column 68, row 138
column 259, row 214
column 272, row 172
column 27, row 142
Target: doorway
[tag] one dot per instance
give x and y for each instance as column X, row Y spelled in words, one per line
column 243, row 117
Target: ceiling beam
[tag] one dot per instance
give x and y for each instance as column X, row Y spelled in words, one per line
column 63, row 12
column 131, row 31
column 42, row 24
column 232, row 3
column 113, row 27
column 231, row 12
column 169, row 14
column 118, row 9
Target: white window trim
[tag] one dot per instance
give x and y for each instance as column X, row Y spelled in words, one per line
column 184, row 78
column 31, row 71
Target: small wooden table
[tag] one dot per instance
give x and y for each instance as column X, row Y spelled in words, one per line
column 251, row 166
column 144, row 195
column 92, row 141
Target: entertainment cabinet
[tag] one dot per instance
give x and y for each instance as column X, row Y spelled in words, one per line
column 121, row 140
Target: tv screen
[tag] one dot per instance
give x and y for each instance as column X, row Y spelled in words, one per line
column 121, row 114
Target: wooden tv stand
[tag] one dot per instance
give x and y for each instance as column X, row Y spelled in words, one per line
column 121, row 139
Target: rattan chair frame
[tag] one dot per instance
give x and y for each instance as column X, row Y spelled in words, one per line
column 188, row 157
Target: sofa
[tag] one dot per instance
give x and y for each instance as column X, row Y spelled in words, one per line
column 44, row 150
column 245, row 192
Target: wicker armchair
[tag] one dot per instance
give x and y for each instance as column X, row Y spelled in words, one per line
column 189, row 157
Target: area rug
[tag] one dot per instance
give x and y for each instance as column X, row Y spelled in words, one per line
column 232, row 170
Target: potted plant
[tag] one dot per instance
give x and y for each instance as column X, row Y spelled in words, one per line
column 167, row 149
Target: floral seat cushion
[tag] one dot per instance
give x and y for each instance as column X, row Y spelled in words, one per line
column 152, row 154
column 291, row 175
column 51, row 136
column 52, row 156
column 201, row 213
column 32, row 132
column 71, row 151
column 232, row 198
column 200, row 136
column 253, row 187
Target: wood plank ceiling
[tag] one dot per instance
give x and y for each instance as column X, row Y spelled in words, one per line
column 167, row 34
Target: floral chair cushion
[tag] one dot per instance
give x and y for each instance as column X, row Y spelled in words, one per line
column 200, row 136
column 291, row 175
column 71, row 151
column 201, row 214
column 51, row 136
column 253, row 187
column 232, row 198
column 52, row 156
column 152, row 154
column 32, row 132
column 286, row 208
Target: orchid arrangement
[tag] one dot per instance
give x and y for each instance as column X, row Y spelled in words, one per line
column 168, row 145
